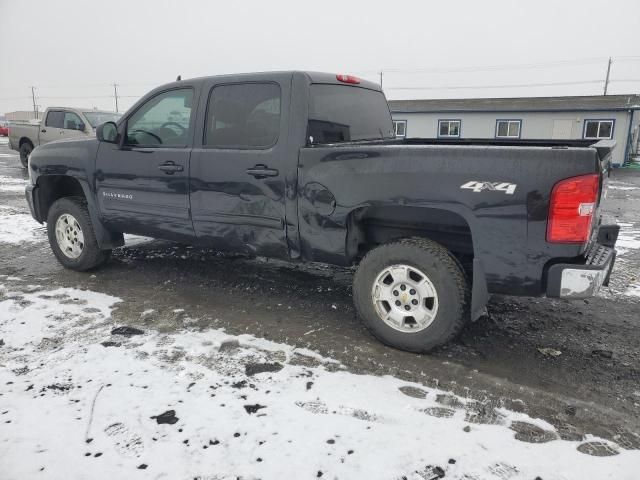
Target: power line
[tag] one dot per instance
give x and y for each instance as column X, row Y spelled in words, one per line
column 15, row 98
column 486, row 68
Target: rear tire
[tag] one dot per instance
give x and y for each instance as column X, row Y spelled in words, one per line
column 25, row 150
column 412, row 294
column 72, row 237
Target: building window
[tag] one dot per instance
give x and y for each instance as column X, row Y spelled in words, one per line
column 508, row 128
column 449, row 128
column 598, row 129
column 400, row 128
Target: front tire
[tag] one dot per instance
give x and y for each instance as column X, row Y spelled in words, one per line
column 72, row 237
column 412, row 294
column 25, row 151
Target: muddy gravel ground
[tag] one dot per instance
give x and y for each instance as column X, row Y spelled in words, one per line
column 575, row 365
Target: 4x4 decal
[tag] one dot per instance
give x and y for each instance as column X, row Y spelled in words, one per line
column 508, row 188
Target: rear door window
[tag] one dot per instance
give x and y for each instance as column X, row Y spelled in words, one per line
column 340, row 113
column 244, row 116
column 55, row 119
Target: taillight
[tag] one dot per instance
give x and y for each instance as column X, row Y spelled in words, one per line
column 348, row 79
column 571, row 209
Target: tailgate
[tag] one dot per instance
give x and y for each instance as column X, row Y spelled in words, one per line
column 605, row 149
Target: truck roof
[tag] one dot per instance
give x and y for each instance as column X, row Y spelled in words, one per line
column 313, row 77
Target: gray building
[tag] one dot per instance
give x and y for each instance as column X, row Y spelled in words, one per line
column 614, row 117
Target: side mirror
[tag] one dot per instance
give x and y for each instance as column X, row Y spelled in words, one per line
column 107, row 132
column 81, row 126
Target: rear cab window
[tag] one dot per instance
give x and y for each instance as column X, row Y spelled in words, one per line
column 341, row 113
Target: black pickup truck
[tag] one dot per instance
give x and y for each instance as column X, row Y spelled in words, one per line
column 305, row 167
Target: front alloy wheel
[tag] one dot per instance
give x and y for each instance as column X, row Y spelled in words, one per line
column 69, row 236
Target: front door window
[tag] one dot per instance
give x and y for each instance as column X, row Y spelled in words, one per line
column 71, row 121
column 164, row 121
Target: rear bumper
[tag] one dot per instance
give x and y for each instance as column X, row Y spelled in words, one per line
column 584, row 279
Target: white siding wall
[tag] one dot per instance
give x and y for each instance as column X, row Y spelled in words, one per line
column 534, row 125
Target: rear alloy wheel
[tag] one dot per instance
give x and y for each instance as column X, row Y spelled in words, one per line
column 25, row 151
column 71, row 235
column 405, row 298
column 412, row 294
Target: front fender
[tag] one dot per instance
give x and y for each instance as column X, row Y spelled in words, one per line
column 72, row 159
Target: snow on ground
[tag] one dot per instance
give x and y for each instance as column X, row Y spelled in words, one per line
column 628, row 239
column 78, row 396
column 626, row 271
column 133, row 240
column 633, row 290
column 9, row 184
column 619, row 185
column 19, row 228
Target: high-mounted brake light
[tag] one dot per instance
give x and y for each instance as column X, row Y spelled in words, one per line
column 571, row 209
column 348, row 79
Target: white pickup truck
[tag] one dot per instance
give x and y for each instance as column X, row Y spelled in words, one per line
column 57, row 123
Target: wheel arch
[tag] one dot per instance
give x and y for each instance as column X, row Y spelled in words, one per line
column 453, row 228
column 24, row 140
column 53, row 187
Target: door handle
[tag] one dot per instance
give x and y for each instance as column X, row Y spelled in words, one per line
column 262, row 171
column 170, row 168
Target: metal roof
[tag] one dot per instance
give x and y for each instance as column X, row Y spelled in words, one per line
column 522, row 104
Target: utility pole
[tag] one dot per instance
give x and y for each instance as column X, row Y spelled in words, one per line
column 606, row 81
column 115, row 94
column 380, row 79
column 33, row 97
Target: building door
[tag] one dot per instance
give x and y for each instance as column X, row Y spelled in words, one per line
column 562, row 129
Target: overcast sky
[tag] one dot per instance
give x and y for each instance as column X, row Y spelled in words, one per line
column 73, row 50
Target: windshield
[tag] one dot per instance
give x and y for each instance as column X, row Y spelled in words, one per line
column 98, row 118
column 340, row 113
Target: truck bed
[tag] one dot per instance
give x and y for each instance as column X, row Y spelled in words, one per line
column 492, row 194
